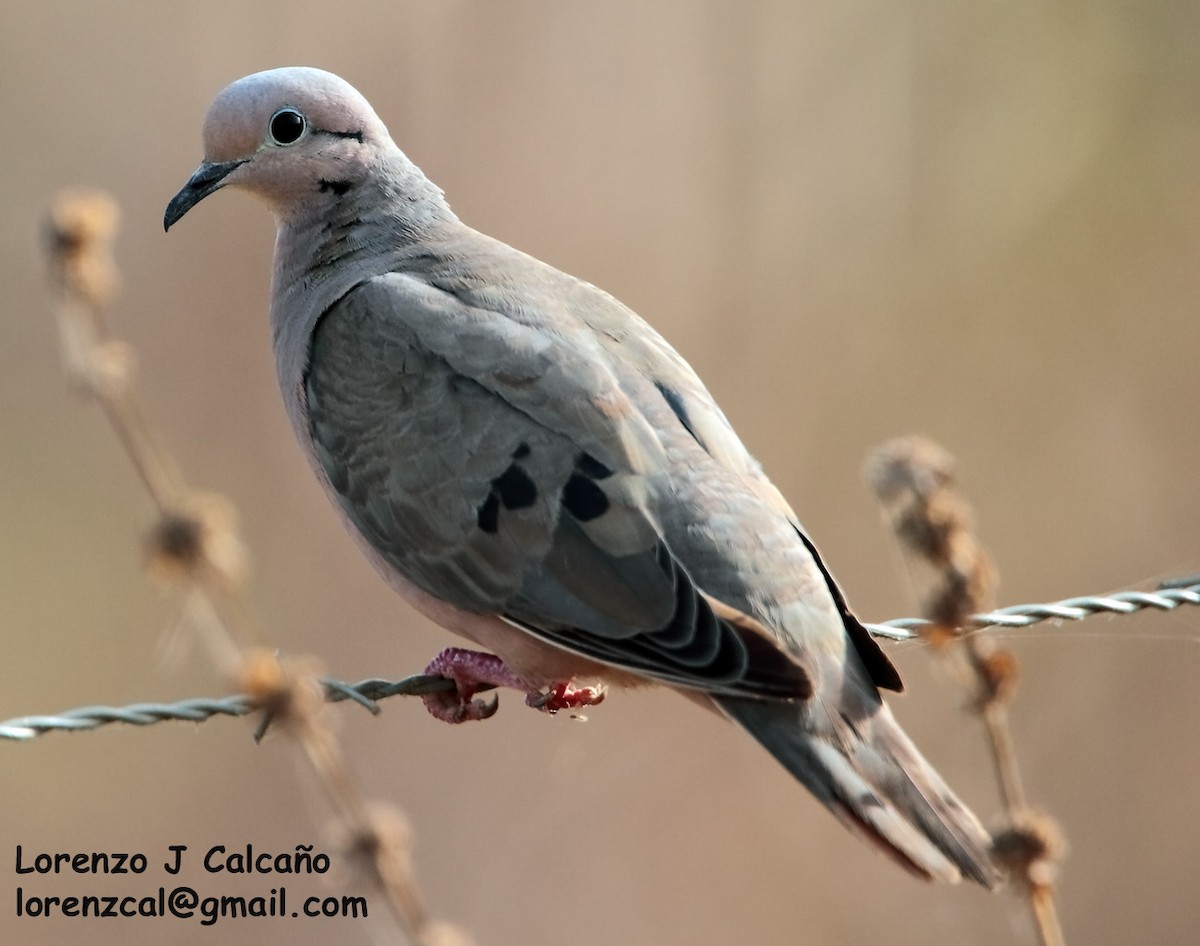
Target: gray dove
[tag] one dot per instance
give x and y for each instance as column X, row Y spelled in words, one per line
column 533, row 467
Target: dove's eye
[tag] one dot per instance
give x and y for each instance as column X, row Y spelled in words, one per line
column 286, row 126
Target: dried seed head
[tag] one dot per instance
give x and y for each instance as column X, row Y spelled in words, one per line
column 177, row 542
column 289, row 692
column 913, row 478
column 963, row 587
column 1031, row 850
column 909, row 465
column 379, row 841
column 998, row 672
column 383, row 835
column 80, row 228
column 80, row 231
column 199, row 542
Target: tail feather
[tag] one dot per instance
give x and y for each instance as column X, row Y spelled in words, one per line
column 864, row 768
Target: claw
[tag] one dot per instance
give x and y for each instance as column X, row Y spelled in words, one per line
column 487, row 708
column 451, row 706
column 470, row 670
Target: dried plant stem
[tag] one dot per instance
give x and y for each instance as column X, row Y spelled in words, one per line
column 913, row 479
column 389, row 866
column 158, row 474
column 994, row 715
column 195, row 547
column 1008, row 773
column 1045, row 915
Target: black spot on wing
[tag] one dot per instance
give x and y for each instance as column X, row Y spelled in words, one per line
column 515, row 489
column 583, row 499
column 512, row 489
column 589, row 466
column 338, row 187
column 675, row 402
column 488, row 514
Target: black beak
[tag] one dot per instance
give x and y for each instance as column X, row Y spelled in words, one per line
column 208, row 178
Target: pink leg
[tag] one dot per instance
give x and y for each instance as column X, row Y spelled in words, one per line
column 470, row 669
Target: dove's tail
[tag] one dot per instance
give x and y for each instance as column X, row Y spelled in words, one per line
column 860, row 764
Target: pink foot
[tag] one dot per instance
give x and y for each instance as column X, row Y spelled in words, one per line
column 471, row 671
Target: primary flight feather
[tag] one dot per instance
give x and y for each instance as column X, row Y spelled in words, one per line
column 532, row 466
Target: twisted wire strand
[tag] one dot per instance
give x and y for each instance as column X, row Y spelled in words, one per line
column 1167, row 597
column 367, row 693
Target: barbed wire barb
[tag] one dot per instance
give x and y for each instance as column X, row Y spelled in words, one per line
column 369, row 692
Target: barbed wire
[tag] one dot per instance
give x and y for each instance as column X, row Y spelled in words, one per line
column 367, row 693
column 1167, row 597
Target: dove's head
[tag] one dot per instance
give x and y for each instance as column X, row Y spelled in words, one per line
column 293, row 137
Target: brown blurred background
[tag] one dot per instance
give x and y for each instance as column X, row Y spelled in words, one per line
column 979, row 222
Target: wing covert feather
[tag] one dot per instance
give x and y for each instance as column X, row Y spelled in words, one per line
column 490, row 494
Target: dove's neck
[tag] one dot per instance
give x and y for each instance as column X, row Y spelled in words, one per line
column 331, row 244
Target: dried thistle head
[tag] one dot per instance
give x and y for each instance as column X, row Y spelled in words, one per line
column 998, row 672
column 964, row 584
column 1031, row 850
column 288, row 691
column 199, row 542
column 909, row 466
column 379, row 841
column 80, row 228
column 913, row 479
column 382, row 837
column 80, row 231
